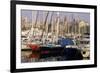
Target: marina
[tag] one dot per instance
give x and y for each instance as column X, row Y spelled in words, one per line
column 51, row 36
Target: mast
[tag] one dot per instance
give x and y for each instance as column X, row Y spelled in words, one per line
column 31, row 32
column 57, row 34
column 65, row 25
column 43, row 31
column 34, row 25
column 72, row 26
column 36, row 18
column 79, row 26
column 68, row 26
column 51, row 23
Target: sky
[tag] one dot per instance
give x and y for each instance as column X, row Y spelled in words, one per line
column 42, row 15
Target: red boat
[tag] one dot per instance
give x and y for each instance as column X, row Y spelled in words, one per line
column 34, row 47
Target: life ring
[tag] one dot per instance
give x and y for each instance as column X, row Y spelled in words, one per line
column 86, row 53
